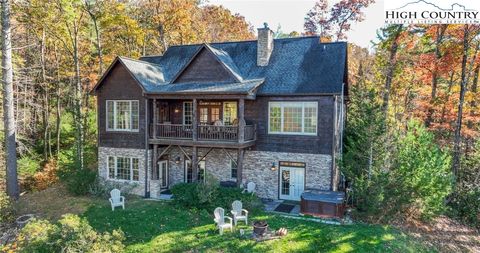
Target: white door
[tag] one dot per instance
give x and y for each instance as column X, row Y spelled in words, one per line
column 163, row 174
column 292, row 182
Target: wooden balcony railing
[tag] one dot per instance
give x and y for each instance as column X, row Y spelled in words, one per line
column 249, row 132
column 221, row 133
column 204, row 132
column 174, row 131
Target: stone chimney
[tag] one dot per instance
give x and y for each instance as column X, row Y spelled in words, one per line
column 264, row 45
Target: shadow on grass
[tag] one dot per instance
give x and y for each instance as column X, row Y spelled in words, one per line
column 161, row 227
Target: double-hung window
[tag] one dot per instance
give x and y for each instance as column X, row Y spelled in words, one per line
column 123, row 168
column 122, row 115
column 292, row 118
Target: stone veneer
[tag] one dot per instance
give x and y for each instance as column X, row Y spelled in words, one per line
column 256, row 168
column 104, row 152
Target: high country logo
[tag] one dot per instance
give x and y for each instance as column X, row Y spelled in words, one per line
column 424, row 12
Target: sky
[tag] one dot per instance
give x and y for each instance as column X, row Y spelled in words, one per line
column 290, row 14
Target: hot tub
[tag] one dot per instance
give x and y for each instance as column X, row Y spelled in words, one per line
column 324, row 204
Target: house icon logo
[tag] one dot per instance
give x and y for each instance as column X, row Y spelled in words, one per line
column 432, row 12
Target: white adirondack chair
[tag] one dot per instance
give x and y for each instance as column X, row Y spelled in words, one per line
column 220, row 220
column 250, row 188
column 239, row 214
column 116, row 199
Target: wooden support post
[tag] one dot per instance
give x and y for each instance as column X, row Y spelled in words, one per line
column 194, row 164
column 241, row 120
column 154, row 162
column 155, row 120
column 240, row 166
column 194, row 120
column 184, row 153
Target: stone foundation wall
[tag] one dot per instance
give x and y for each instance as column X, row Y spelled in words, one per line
column 139, row 186
column 256, row 168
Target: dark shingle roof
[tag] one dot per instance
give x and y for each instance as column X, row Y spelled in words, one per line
column 297, row 66
column 244, row 87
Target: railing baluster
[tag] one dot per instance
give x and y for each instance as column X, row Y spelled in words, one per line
column 205, row 132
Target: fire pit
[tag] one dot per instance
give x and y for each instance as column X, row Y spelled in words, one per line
column 260, row 228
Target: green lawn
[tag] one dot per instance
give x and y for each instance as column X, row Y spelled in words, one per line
column 151, row 226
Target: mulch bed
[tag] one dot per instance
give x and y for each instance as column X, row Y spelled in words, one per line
column 445, row 234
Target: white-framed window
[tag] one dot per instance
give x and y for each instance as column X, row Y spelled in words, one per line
column 292, row 118
column 187, row 113
column 233, row 169
column 123, row 168
column 229, row 112
column 122, row 115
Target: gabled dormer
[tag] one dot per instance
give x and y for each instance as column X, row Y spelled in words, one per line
column 209, row 65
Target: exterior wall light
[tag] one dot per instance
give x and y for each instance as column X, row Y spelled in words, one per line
column 274, row 167
column 177, row 161
column 177, row 110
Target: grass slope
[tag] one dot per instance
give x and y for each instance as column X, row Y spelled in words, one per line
column 152, row 226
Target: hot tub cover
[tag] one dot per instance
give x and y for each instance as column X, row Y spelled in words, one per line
column 324, row 196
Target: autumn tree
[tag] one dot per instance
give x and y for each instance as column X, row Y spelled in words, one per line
column 333, row 22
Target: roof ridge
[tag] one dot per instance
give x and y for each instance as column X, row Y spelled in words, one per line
column 140, row 61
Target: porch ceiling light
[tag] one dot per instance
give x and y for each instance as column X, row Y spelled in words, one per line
column 177, row 161
column 274, row 167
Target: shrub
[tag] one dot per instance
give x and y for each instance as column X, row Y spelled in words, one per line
column 207, row 191
column 29, row 164
column 414, row 180
column 7, row 212
column 78, row 181
column 466, row 206
column 71, row 234
column 42, row 179
column 186, row 194
column 208, row 197
column 101, row 187
column 38, row 236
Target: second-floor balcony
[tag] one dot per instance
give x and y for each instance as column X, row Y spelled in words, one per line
column 207, row 123
column 204, row 132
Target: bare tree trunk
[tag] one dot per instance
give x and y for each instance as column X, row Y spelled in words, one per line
column 438, row 55
column 463, row 84
column 391, row 69
column 58, row 107
column 46, row 111
column 97, row 34
column 8, row 109
column 78, row 99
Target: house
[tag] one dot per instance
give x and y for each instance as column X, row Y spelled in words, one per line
column 269, row 111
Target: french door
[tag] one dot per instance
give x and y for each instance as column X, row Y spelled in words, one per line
column 209, row 114
column 163, row 174
column 292, row 182
column 189, row 171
